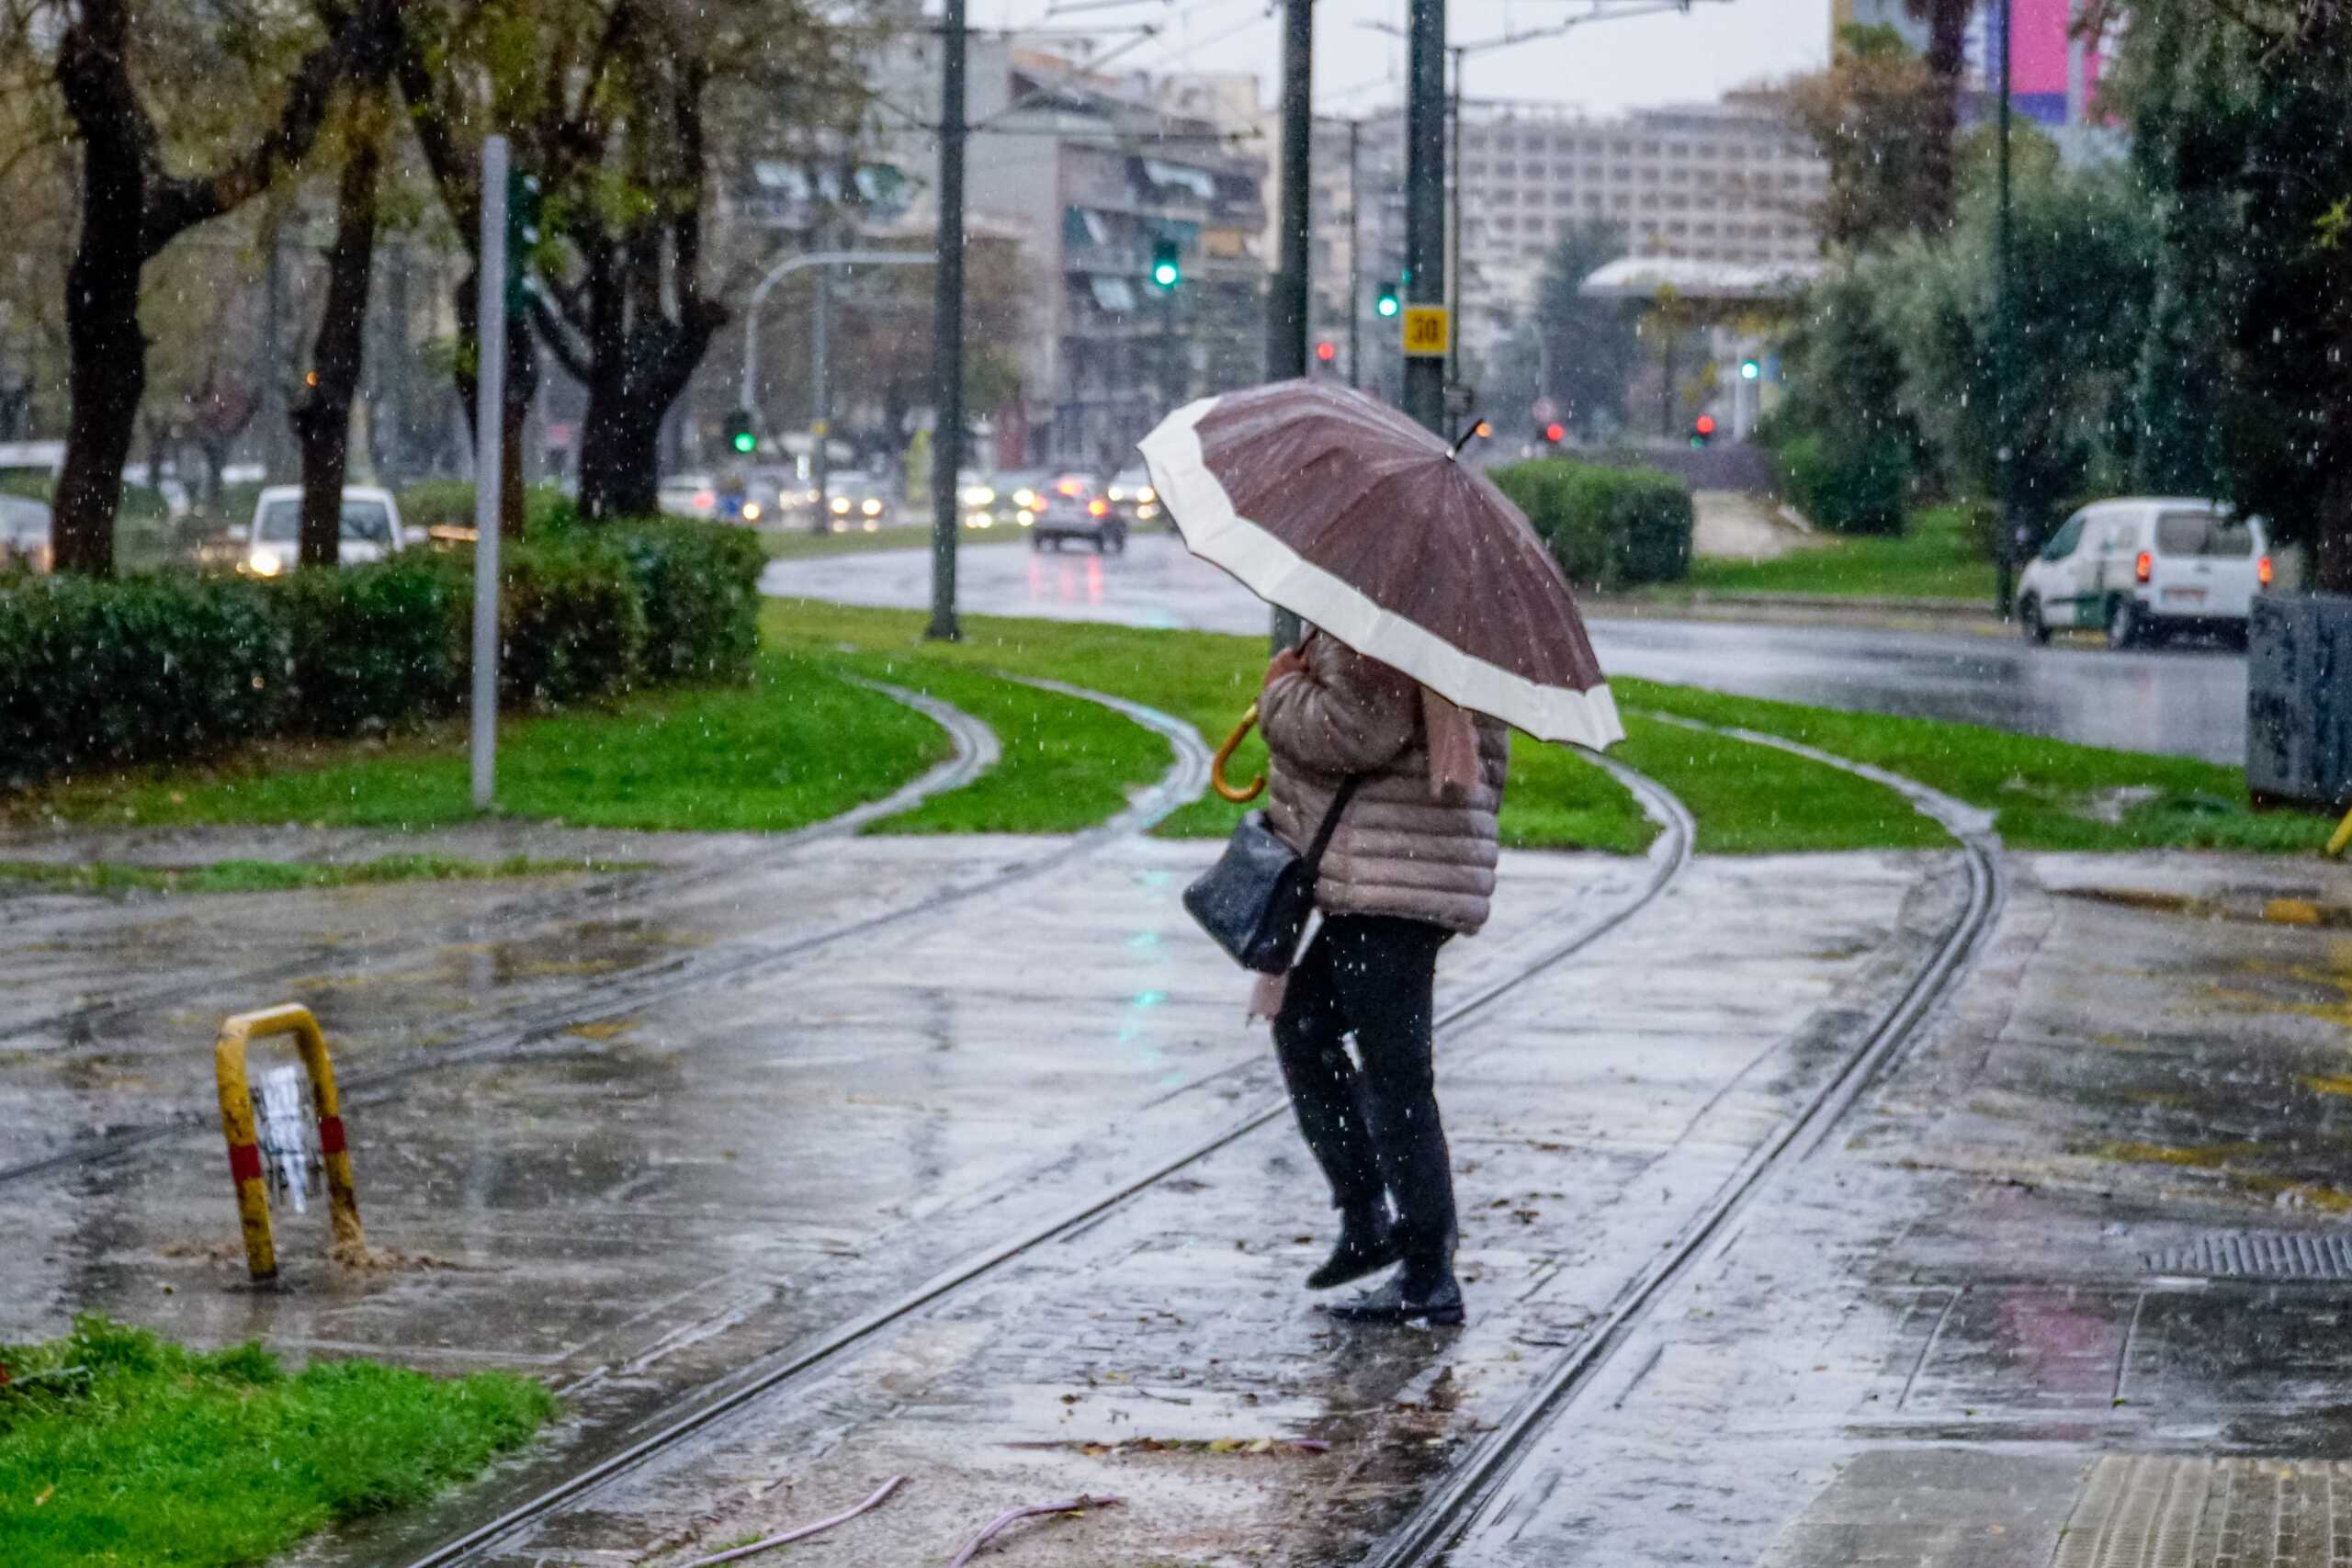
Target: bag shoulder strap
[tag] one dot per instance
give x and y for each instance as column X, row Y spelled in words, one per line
column 1312, row 860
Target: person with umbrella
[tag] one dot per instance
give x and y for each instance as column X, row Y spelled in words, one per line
column 1440, row 619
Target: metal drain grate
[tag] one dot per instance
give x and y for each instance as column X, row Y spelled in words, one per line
column 2259, row 1255
column 2202, row 1513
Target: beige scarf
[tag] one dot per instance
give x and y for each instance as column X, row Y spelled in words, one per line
column 1452, row 736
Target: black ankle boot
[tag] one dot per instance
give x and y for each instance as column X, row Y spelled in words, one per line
column 1367, row 1245
column 1409, row 1295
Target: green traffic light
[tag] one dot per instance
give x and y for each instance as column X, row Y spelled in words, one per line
column 1165, row 275
column 1388, row 306
column 1749, row 370
column 745, row 441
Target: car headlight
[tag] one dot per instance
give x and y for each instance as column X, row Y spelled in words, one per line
column 841, row 505
column 871, row 526
column 1147, row 494
column 750, row 512
column 872, row 508
column 265, row 563
column 1024, row 498
column 1146, row 513
column 1024, row 517
column 977, row 495
column 1118, row 493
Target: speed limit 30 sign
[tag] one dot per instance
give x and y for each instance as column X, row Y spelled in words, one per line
column 1428, row 330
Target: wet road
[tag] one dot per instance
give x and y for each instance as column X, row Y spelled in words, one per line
column 2188, row 702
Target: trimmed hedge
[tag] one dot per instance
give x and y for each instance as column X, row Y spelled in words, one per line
column 1848, row 486
column 449, row 503
column 1609, row 528
column 170, row 664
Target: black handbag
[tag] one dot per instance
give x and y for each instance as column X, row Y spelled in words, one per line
column 1254, row 901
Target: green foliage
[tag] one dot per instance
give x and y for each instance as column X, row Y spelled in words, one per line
column 449, row 503
column 171, row 1457
column 1846, row 485
column 281, row 877
column 101, row 673
column 699, row 585
column 1941, row 554
column 1609, row 528
column 97, row 674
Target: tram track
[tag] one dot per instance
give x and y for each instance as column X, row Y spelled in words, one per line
column 789, row 1365
column 1455, row 1506
column 538, row 1024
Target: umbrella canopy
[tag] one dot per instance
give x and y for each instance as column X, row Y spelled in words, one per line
column 1344, row 511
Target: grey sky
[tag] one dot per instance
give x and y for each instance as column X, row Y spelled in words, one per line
column 1605, row 65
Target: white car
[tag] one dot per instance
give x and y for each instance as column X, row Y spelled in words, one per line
column 688, row 495
column 273, row 544
column 24, row 542
column 2144, row 567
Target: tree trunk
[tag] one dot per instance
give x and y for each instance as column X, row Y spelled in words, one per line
column 620, row 456
column 1947, row 59
column 321, row 420
column 109, row 351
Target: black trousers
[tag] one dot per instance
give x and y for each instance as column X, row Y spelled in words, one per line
column 1373, row 1129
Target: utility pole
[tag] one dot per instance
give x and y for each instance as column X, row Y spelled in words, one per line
column 2004, row 355
column 1286, row 312
column 1355, row 260
column 820, row 418
column 1454, row 277
column 489, row 410
column 1425, row 200
column 947, row 332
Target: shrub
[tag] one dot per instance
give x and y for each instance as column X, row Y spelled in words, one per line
column 101, row 674
column 373, row 645
column 700, row 585
column 449, row 503
column 1848, row 486
column 1609, row 528
column 571, row 624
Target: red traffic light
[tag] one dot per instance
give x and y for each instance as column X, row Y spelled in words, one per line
column 1327, row 351
column 1704, row 424
column 1555, row 433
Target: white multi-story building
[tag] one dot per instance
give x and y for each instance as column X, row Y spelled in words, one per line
column 1727, row 182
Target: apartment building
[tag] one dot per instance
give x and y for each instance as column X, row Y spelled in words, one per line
column 1727, row 182
column 1095, row 171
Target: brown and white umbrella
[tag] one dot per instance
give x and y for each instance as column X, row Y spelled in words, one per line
column 1344, row 511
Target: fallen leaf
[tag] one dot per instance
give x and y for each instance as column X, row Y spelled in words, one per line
column 45, row 1493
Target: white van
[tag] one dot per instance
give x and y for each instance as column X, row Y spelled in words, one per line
column 2142, row 567
column 371, row 529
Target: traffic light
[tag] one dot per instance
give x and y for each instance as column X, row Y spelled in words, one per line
column 1167, row 265
column 740, row 433
column 1555, row 433
column 1751, row 369
column 1702, row 430
column 1327, row 351
column 1389, row 304
column 523, row 201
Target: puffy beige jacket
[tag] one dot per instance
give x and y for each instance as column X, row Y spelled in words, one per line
column 1399, row 850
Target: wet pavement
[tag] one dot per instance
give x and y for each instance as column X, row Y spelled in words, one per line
column 2188, row 701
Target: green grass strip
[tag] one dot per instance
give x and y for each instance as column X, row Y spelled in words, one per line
column 1067, row 764
column 2047, row 795
column 1751, row 799
column 278, row 876
column 795, row 746
column 1936, row 557
column 1558, row 799
column 117, row 1447
column 798, row 544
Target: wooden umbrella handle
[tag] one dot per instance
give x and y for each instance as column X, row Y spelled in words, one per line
column 1236, row 794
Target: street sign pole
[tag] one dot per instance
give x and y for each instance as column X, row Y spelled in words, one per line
column 1355, row 258
column 1425, row 201
column 2004, row 355
column 490, row 403
column 947, row 332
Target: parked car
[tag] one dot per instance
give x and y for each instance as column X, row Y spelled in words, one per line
column 1132, row 496
column 2144, row 567
column 1071, row 509
column 856, row 500
column 688, row 495
column 25, row 540
column 978, row 503
column 271, row 543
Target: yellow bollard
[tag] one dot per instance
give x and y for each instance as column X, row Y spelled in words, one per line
column 2341, row 837
column 244, row 1153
